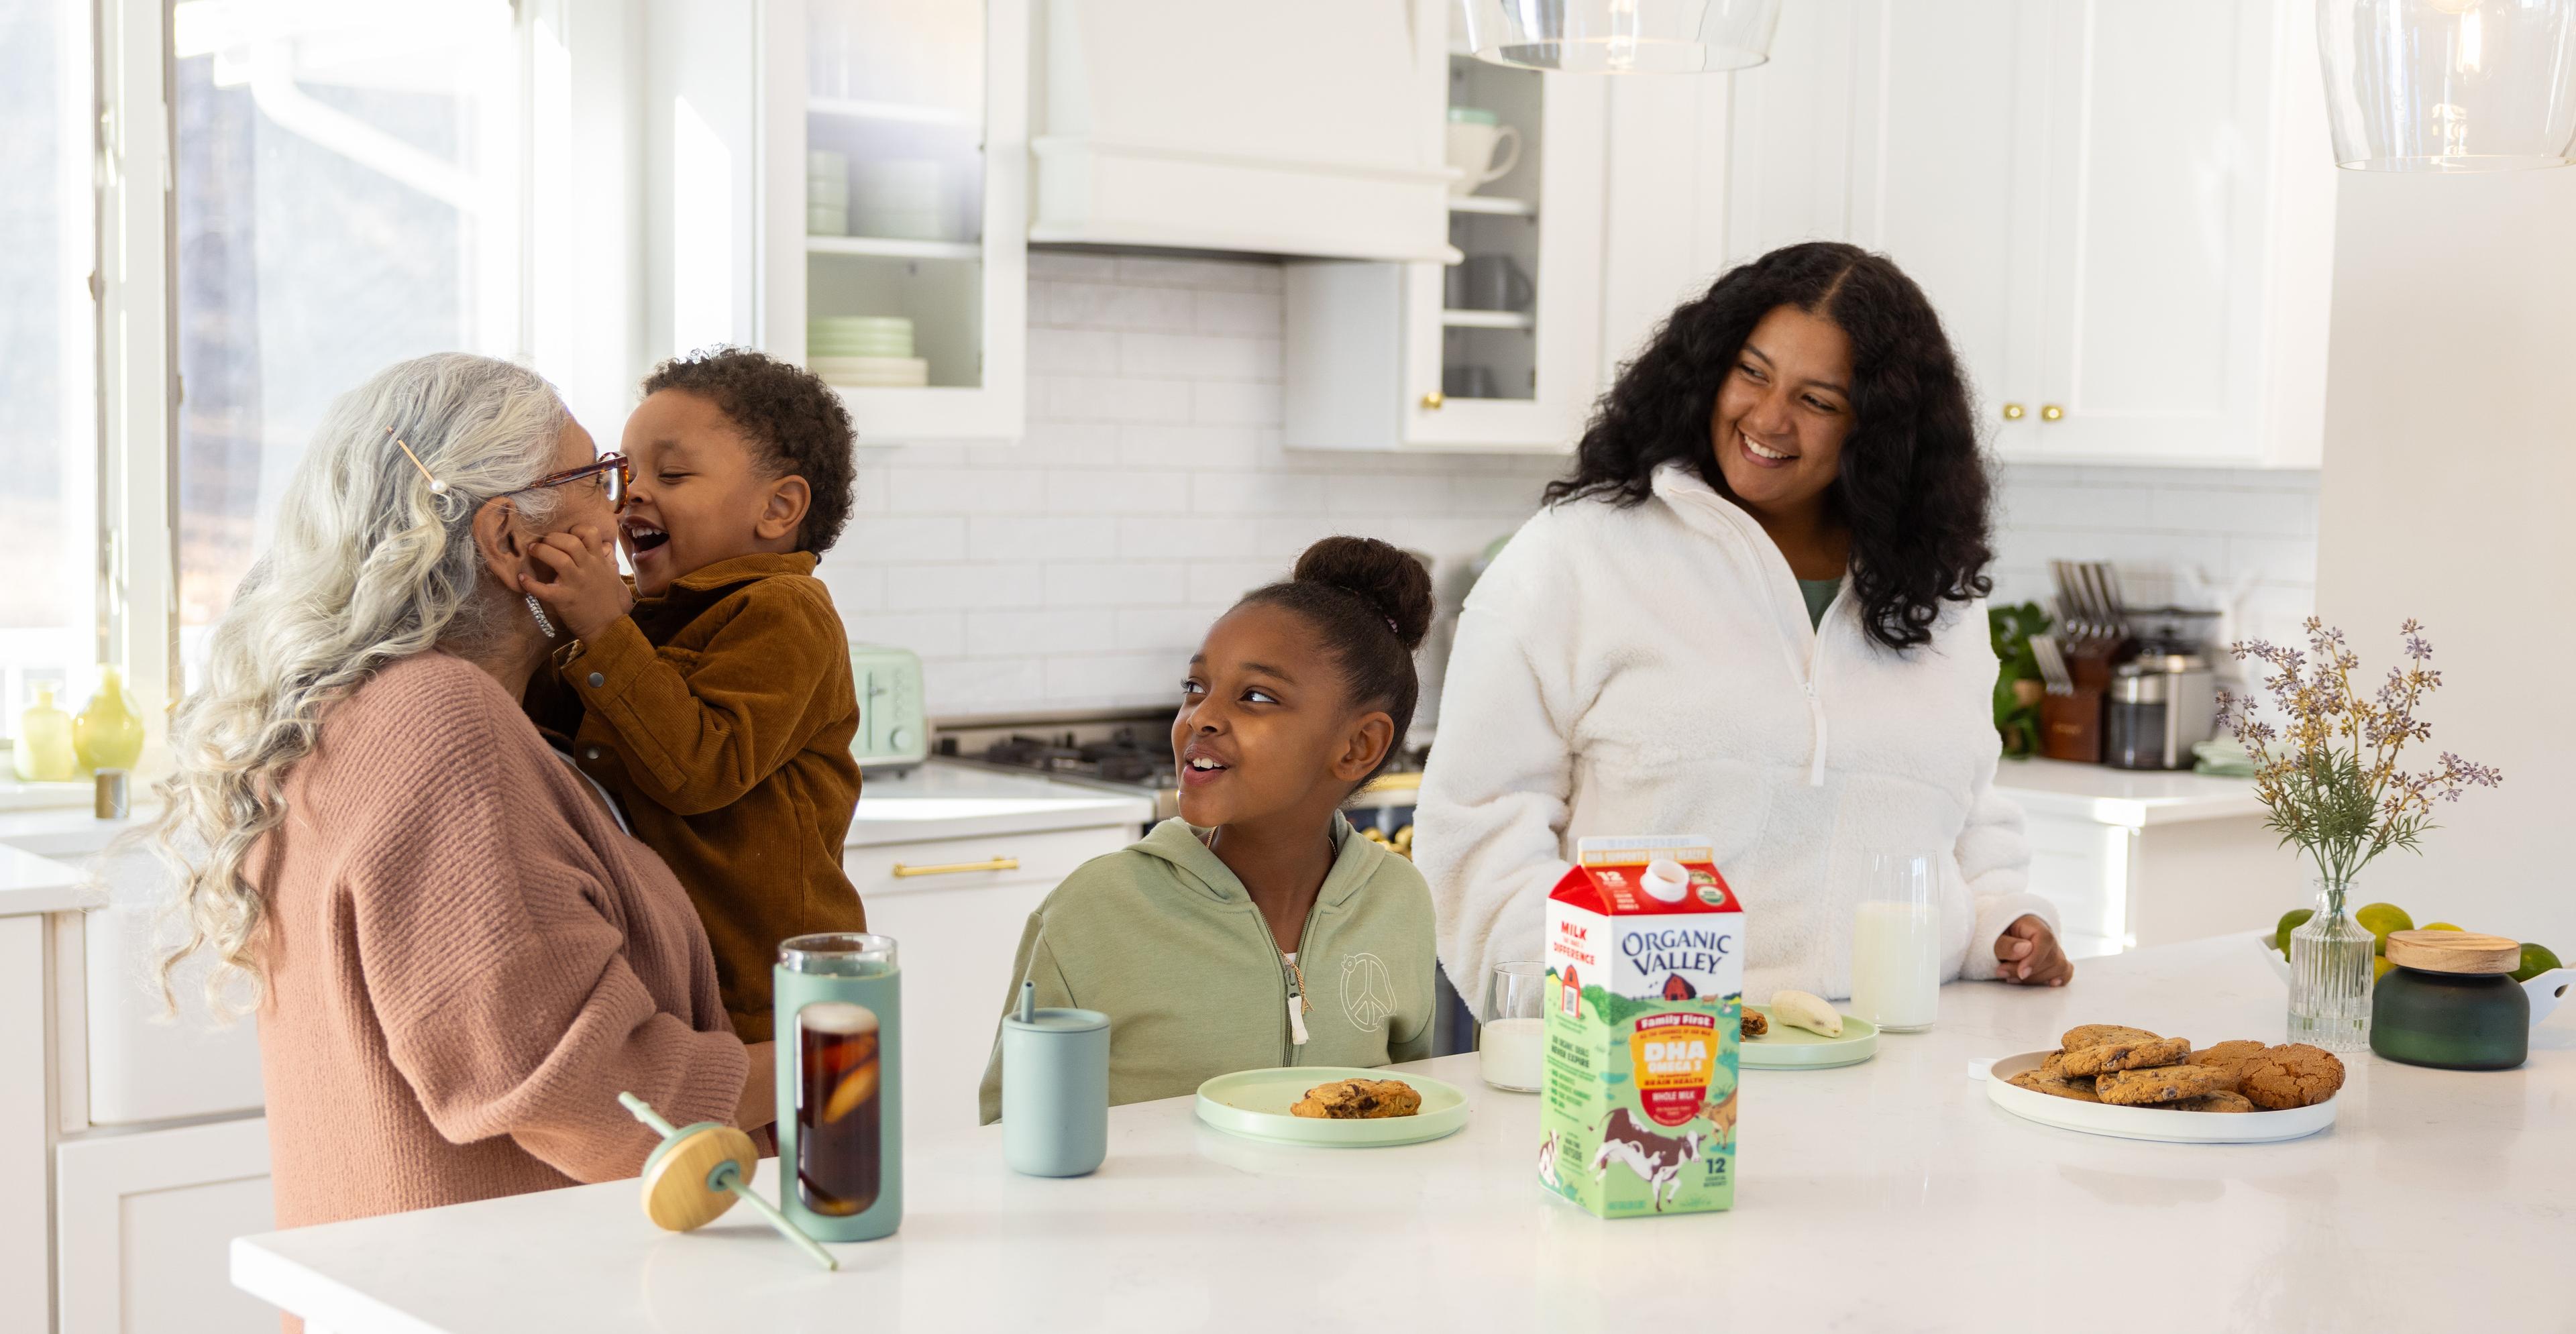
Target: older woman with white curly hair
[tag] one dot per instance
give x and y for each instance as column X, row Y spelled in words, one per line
column 457, row 957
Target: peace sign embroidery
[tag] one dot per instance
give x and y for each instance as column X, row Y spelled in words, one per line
column 1368, row 990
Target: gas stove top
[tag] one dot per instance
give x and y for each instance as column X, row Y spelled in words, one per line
column 1127, row 755
column 1129, row 751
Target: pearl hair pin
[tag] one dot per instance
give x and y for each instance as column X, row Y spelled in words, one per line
column 436, row 487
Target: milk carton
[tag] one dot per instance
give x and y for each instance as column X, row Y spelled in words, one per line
column 1645, row 987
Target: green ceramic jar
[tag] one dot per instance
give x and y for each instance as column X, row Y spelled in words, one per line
column 2450, row 1003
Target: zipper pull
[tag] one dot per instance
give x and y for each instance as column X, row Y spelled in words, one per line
column 1296, row 982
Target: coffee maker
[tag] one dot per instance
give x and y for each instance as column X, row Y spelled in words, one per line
column 2163, row 701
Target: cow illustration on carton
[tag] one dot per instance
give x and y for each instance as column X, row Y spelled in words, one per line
column 1645, row 946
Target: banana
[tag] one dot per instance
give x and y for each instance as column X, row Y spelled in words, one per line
column 1808, row 1012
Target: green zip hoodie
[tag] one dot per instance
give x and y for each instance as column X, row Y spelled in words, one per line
column 1163, row 939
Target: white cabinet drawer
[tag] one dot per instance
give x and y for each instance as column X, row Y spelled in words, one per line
column 937, row 865
column 957, row 933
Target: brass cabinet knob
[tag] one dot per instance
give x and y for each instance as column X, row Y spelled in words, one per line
column 2012, row 412
column 2051, row 412
column 1432, row 401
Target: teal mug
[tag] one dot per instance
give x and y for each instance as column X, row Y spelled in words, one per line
column 839, row 1003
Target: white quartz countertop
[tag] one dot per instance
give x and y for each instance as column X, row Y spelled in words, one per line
column 943, row 800
column 1889, row 1195
column 2132, row 797
column 33, row 884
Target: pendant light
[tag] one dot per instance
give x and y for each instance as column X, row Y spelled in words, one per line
column 1623, row 36
column 2450, row 85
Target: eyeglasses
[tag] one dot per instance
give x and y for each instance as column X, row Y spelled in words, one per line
column 614, row 471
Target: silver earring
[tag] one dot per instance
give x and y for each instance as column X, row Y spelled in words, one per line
column 537, row 609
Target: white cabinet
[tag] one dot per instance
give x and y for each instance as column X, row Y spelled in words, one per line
column 2187, row 236
column 2123, row 213
column 1498, row 350
column 955, row 908
column 1305, row 129
column 893, row 142
column 146, row 1228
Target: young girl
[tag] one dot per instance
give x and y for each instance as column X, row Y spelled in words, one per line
column 1257, row 930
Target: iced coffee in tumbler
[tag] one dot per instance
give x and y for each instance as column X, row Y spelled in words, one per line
column 838, row 1138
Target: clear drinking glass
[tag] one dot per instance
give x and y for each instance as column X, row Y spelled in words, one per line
column 1511, row 1031
column 1896, row 943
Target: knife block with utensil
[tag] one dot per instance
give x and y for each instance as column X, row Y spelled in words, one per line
column 2070, row 726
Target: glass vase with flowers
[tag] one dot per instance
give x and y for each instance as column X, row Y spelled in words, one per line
column 2330, row 772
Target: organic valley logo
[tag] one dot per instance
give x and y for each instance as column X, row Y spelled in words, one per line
column 1679, row 950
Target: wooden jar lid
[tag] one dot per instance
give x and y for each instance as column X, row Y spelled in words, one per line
column 2453, row 952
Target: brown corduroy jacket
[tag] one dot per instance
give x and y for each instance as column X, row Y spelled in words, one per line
column 721, row 715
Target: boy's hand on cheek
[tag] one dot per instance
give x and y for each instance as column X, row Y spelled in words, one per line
column 575, row 575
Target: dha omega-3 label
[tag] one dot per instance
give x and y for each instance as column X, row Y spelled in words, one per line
column 1645, row 990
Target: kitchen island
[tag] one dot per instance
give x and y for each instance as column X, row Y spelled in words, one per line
column 1885, row 1196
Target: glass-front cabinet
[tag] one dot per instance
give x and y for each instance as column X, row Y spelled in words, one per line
column 895, row 253
column 1499, row 348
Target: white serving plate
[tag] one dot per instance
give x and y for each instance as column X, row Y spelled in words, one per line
column 2545, row 990
column 2098, row 1118
column 1788, row 1048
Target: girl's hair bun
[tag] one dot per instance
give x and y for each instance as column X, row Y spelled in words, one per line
column 1391, row 581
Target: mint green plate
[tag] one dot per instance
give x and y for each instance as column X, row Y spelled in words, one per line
column 1254, row 1104
column 1786, row 1048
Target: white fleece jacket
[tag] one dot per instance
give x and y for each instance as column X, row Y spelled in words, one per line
column 1652, row 671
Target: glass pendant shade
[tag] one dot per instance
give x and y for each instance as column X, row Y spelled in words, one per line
column 2450, row 85
column 1623, row 36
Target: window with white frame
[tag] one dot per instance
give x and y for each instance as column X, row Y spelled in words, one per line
column 347, row 180
column 48, row 356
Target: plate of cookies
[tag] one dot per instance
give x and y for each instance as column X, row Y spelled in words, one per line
column 2112, row 1079
column 1336, row 1106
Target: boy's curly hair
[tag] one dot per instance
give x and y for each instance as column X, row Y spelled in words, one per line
column 793, row 419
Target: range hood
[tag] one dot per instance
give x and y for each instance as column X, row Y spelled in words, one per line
column 1312, row 129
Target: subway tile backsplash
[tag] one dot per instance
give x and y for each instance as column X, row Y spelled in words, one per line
column 1076, row 568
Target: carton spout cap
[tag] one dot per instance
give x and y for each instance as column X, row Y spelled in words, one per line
column 1666, row 881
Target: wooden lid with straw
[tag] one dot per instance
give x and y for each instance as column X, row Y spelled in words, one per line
column 2453, row 952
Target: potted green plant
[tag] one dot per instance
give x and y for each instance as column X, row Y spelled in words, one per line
column 2330, row 773
column 2017, row 680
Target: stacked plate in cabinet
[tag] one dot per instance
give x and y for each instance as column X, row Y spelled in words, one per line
column 864, row 352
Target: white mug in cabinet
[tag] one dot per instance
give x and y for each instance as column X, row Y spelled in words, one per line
column 1474, row 136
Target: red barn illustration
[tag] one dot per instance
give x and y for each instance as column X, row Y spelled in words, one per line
column 1678, row 988
column 1571, row 993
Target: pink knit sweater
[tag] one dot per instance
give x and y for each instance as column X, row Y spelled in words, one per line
column 466, row 962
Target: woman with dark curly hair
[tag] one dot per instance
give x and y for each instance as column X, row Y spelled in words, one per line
column 1753, row 611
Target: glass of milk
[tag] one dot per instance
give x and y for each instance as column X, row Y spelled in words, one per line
column 1511, row 1032
column 1896, row 943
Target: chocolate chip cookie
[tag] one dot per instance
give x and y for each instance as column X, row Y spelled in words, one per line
column 1754, row 1024
column 2220, row 1101
column 2055, row 1086
column 1358, row 1099
column 2229, row 1055
column 2295, row 1075
column 2094, row 1035
column 2124, row 1055
column 2171, row 1083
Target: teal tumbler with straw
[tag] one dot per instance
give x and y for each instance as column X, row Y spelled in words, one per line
column 839, row 1002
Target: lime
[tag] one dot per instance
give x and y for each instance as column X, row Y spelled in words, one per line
column 2289, row 922
column 2381, row 918
column 2536, row 959
column 2437, row 926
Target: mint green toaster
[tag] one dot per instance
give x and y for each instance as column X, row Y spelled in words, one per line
column 894, row 732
